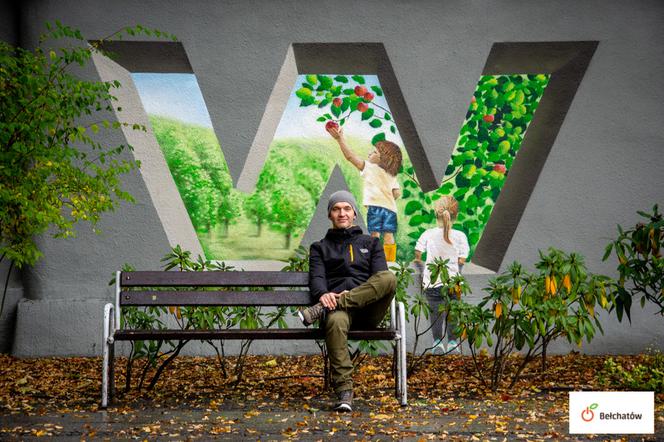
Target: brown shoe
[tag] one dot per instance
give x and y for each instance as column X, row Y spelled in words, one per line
column 311, row 314
column 344, row 401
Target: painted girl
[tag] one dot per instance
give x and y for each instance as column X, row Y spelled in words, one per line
column 442, row 242
column 381, row 188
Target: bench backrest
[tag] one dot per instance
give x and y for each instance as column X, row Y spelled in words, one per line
column 268, row 288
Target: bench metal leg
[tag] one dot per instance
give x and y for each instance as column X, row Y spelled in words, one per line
column 107, row 371
column 402, row 356
column 394, row 325
column 395, row 368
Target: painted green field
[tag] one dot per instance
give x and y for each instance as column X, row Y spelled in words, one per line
column 243, row 243
column 295, row 174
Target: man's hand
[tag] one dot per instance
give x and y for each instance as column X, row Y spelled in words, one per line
column 329, row 300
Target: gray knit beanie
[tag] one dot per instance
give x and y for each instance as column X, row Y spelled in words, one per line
column 342, row 196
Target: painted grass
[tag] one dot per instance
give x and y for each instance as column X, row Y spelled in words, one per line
column 242, row 243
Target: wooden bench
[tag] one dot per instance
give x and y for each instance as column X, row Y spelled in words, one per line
column 277, row 289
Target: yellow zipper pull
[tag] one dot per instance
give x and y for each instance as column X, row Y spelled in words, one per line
column 351, row 253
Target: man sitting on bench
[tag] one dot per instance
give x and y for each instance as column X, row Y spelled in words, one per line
column 349, row 275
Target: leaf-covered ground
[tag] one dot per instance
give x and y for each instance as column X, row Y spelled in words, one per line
column 283, row 398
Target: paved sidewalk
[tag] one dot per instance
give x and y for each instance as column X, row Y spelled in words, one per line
column 536, row 419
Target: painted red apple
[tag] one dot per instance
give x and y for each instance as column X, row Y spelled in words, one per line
column 362, row 107
column 360, row 91
column 368, row 96
column 488, row 118
column 331, row 125
column 337, row 102
column 500, row 168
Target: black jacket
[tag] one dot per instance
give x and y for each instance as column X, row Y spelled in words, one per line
column 342, row 260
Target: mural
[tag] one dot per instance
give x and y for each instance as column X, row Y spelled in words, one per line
column 334, row 120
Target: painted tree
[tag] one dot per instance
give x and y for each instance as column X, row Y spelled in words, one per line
column 339, row 101
column 258, row 208
column 229, row 206
column 490, row 138
column 193, row 181
column 291, row 209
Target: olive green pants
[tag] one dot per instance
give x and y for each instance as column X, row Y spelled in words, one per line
column 361, row 308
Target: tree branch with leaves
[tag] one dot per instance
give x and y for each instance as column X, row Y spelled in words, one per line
column 54, row 172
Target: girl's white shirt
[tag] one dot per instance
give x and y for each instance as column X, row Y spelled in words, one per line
column 378, row 185
column 433, row 243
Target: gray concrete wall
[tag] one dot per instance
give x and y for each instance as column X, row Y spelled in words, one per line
column 606, row 163
column 9, row 22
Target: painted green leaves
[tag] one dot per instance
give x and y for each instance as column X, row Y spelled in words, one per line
column 496, row 121
column 339, row 98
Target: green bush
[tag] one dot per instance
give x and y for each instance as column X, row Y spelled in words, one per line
column 641, row 264
column 648, row 376
column 525, row 312
column 158, row 355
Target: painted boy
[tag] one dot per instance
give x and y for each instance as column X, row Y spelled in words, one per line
column 381, row 188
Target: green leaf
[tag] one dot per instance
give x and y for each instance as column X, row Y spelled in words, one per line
column 321, row 119
column 387, row 116
column 336, row 111
column 412, row 207
column 307, row 101
column 313, row 79
column 325, row 82
column 345, row 104
column 378, row 137
column 375, row 123
column 607, row 251
column 367, row 114
column 341, row 79
column 303, row 93
column 377, row 90
column 393, row 129
column 349, row 91
column 416, row 220
column 358, row 78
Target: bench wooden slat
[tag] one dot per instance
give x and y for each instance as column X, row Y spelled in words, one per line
column 214, row 279
column 217, row 297
column 289, row 333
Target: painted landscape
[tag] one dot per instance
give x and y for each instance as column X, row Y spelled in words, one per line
column 269, row 222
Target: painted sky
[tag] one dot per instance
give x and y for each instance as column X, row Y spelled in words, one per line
column 176, row 96
column 179, row 96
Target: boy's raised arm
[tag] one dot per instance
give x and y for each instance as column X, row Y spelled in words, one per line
column 351, row 156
